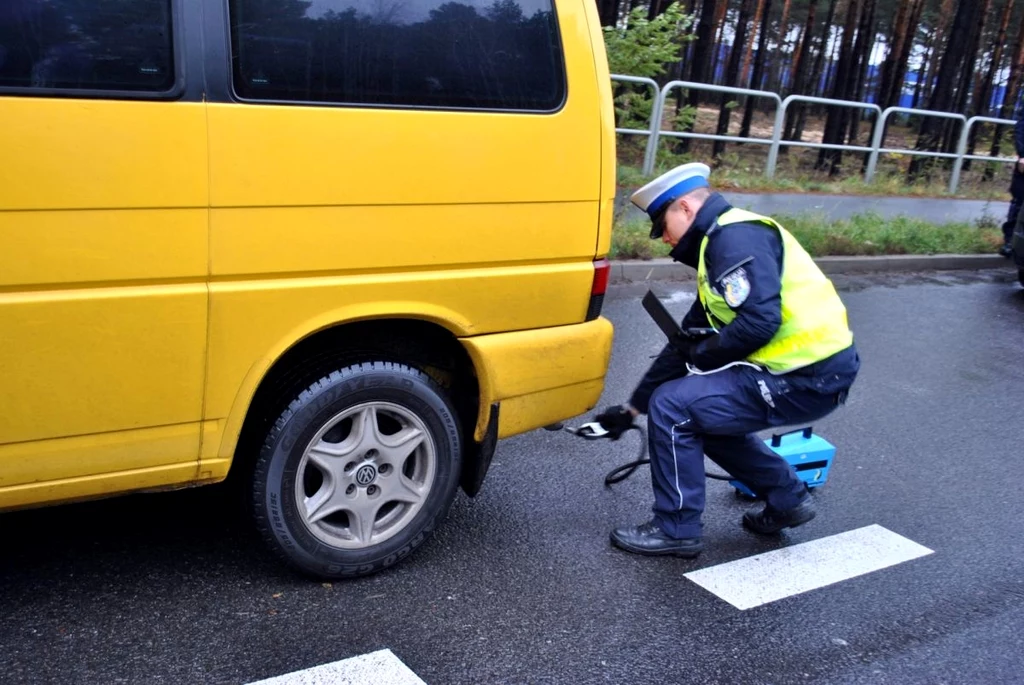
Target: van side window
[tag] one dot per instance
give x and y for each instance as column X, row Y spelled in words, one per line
column 453, row 54
column 111, row 45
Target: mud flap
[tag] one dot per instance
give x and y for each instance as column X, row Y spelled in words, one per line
column 478, row 456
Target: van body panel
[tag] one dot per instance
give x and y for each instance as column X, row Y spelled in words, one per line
column 348, row 155
column 96, row 486
column 80, row 459
column 396, row 238
column 469, row 219
column 63, row 153
column 47, row 250
column 540, row 376
column 103, row 295
column 608, row 141
column 157, row 257
column 260, row 320
column 99, row 360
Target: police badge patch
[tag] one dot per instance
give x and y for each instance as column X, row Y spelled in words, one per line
column 735, row 287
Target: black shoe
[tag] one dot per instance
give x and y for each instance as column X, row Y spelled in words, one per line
column 650, row 540
column 769, row 521
column 1006, row 250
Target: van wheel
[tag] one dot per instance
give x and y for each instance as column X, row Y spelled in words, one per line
column 358, row 471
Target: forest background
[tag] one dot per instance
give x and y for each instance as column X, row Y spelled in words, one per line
column 961, row 56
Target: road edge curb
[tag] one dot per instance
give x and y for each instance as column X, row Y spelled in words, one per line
column 664, row 269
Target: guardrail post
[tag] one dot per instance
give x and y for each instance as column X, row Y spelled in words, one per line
column 780, row 123
column 876, row 144
column 961, row 150
column 652, row 125
column 651, row 153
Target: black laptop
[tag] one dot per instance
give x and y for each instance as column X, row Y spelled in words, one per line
column 667, row 323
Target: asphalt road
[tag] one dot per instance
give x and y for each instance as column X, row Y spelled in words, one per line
column 521, row 585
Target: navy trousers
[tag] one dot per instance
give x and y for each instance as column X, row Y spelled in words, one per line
column 717, row 414
column 1016, row 199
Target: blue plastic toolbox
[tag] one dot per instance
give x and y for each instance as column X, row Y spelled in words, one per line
column 810, row 455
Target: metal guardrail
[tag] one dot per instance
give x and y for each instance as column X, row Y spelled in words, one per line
column 659, row 111
column 654, row 132
column 876, row 144
column 780, row 122
column 643, row 81
column 961, row 149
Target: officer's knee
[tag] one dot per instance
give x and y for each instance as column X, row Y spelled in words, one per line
column 665, row 409
column 657, row 405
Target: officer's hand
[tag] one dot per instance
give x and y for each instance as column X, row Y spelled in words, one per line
column 684, row 345
column 616, row 420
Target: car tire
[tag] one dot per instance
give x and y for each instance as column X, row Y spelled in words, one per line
column 358, row 471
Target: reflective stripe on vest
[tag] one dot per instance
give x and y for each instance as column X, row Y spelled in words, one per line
column 814, row 324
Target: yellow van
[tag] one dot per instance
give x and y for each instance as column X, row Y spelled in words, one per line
column 336, row 248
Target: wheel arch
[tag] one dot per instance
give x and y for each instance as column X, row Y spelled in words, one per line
column 424, row 341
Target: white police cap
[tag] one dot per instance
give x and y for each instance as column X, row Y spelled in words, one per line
column 657, row 194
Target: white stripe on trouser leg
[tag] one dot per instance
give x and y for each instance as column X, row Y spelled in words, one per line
column 675, row 461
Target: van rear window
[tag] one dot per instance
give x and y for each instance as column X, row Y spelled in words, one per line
column 109, row 45
column 474, row 54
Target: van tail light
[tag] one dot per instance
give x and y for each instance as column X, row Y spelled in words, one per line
column 602, row 270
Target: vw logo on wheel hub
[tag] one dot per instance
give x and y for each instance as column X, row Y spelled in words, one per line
column 366, row 474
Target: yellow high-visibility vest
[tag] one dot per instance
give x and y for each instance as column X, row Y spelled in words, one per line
column 814, row 323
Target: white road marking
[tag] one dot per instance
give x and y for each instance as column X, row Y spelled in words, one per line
column 757, row 580
column 376, row 668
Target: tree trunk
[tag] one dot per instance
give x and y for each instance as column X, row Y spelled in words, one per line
column 755, row 80
column 720, row 11
column 901, row 43
column 799, row 48
column 833, row 64
column 798, row 75
column 745, row 79
column 903, row 58
column 1006, row 109
column 951, row 131
column 897, row 37
column 943, row 95
column 775, row 80
column 699, row 64
column 981, row 108
column 941, row 40
column 732, row 74
column 816, row 73
column 862, row 56
column 609, row 12
column 845, row 80
column 702, row 46
column 920, row 85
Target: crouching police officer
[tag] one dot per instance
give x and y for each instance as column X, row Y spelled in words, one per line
column 782, row 354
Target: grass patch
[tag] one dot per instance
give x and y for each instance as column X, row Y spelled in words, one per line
column 631, row 240
column 870, row 234
column 886, row 183
column 861, row 235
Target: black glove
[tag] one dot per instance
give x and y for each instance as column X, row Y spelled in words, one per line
column 686, row 342
column 616, row 420
column 683, row 345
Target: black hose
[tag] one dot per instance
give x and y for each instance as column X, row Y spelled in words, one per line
column 621, row 473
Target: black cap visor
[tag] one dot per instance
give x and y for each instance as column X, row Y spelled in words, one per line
column 658, row 221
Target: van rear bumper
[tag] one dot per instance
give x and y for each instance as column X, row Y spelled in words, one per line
column 539, row 376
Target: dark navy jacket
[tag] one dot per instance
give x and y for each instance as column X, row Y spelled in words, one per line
column 1018, row 130
column 759, row 248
